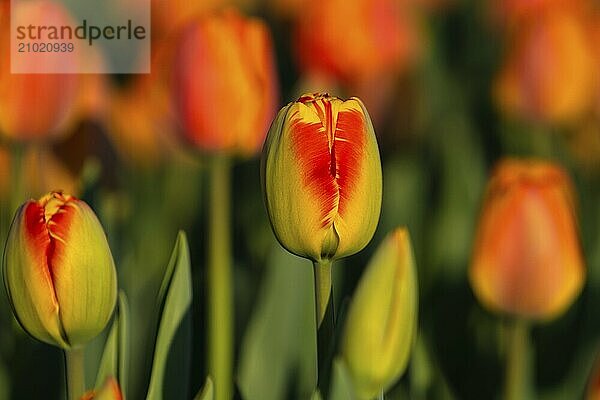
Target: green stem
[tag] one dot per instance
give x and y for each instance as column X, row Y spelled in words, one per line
column 220, row 288
column 75, row 373
column 325, row 322
column 517, row 362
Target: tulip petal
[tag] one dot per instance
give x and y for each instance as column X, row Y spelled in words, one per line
column 85, row 305
column 33, row 281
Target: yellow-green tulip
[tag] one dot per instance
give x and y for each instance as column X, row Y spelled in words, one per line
column 58, row 271
column 321, row 177
column 382, row 318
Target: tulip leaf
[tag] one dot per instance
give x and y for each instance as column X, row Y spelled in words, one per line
column 341, row 385
column 207, row 392
column 115, row 358
column 171, row 361
column 316, row 395
column 278, row 345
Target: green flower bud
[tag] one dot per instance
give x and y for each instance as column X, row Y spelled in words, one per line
column 382, row 318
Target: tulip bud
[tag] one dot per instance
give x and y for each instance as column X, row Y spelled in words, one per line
column 321, row 177
column 109, row 391
column 58, row 271
column 527, row 258
column 382, row 318
column 225, row 84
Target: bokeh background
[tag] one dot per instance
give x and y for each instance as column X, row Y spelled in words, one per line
column 452, row 86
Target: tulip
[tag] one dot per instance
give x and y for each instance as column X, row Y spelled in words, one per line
column 58, row 271
column 382, row 318
column 378, row 36
column 322, row 177
column 33, row 106
column 109, row 391
column 549, row 72
column 527, row 259
column 225, row 83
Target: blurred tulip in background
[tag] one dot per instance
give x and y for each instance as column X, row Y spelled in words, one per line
column 33, row 106
column 379, row 36
column 527, row 259
column 548, row 74
column 225, row 86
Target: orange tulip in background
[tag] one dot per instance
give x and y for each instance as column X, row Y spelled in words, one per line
column 527, row 258
column 355, row 40
column 225, row 85
column 549, row 74
column 32, row 106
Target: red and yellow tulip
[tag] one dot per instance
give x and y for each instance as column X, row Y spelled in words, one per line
column 382, row 318
column 58, row 271
column 527, row 258
column 109, row 391
column 322, row 177
column 225, row 86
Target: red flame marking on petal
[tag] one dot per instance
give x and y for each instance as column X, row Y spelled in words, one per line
column 311, row 148
column 349, row 144
column 39, row 242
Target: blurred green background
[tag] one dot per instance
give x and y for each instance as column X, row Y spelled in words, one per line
column 440, row 131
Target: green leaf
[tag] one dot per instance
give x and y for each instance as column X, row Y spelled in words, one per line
column 115, row 357
column 170, row 366
column 341, row 385
column 207, row 392
column 316, row 395
column 279, row 343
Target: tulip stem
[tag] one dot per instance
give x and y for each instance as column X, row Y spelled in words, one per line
column 75, row 373
column 220, row 288
column 325, row 322
column 517, row 362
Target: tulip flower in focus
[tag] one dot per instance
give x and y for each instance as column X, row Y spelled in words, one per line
column 354, row 40
column 322, row 177
column 58, row 271
column 225, row 86
column 549, row 72
column 382, row 318
column 33, row 106
column 527, row 258
column 109, row 391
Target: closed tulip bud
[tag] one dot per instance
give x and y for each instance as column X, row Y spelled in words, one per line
column 109, row 391
column 527, row 259
column 225, row 86
column 382, row 318
column 58, row 271
column 321, row 177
